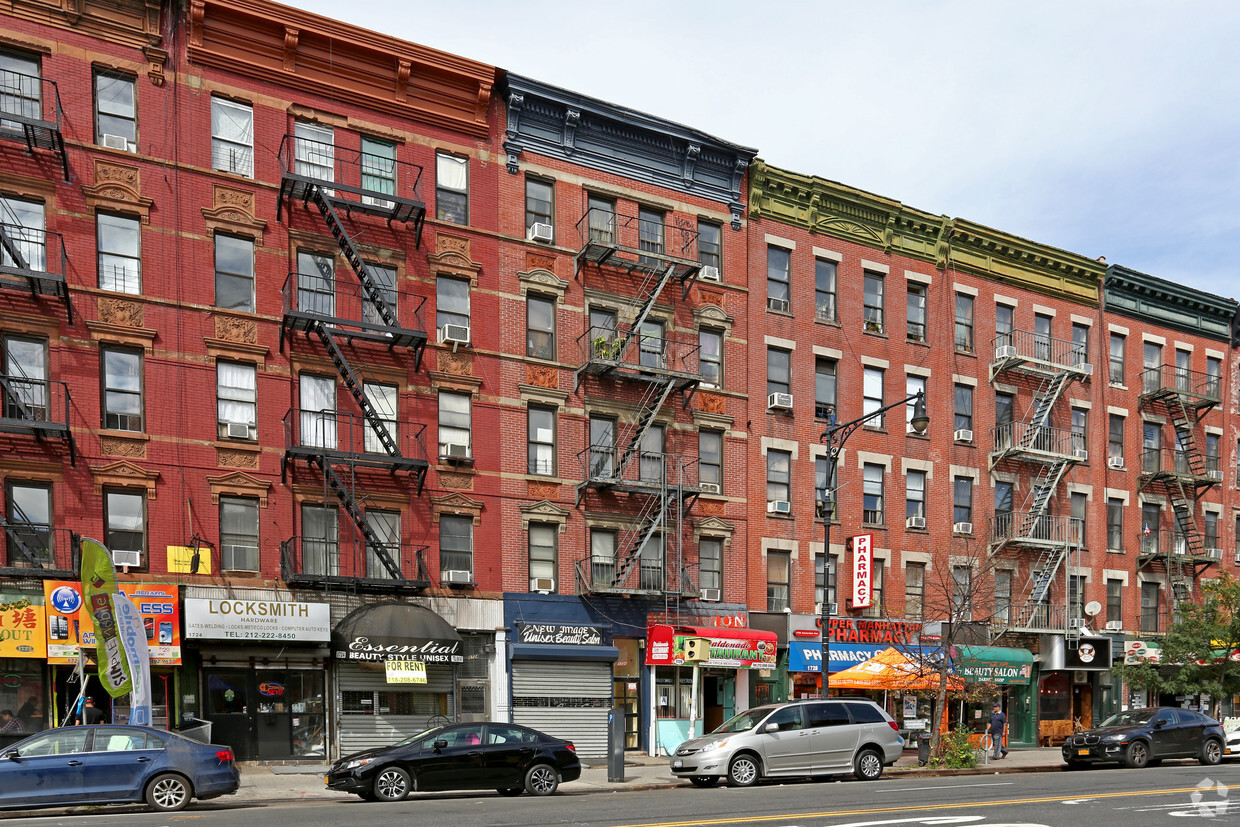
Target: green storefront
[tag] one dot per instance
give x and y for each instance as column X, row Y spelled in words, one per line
column 1012, row 671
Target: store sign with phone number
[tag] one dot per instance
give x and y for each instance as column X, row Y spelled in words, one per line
column 68, row 627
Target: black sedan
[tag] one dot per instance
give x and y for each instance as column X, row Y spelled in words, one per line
column 1140, row 737
column 478, row 756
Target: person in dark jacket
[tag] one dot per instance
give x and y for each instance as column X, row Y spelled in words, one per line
column 89, row 716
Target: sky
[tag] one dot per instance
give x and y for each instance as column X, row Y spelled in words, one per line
column 1104, row 127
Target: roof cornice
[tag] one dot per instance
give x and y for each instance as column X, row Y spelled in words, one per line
column 1167, row 303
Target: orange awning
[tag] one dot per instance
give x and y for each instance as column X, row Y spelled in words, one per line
column 892, row 669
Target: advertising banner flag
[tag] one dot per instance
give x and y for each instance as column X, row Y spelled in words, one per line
column 133, row 639
column 98, row 584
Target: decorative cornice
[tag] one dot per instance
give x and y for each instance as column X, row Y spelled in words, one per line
column 456, row 504
column 1169, row 304
column 123, row 474
column 241, row 484
column 544, row 512
column 127, row 22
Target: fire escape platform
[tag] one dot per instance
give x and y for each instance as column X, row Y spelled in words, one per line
column 28, row 128
column 305, row 322
column 359, row 460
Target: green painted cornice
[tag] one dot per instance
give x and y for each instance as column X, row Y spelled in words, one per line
column 1166, row 303
column 834, row 209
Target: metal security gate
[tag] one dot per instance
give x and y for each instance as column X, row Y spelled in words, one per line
column 567, row 699
column 375, row 713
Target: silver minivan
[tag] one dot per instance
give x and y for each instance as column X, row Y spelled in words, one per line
column 801, row 738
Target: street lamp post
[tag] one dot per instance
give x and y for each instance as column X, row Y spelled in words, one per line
column 835, row 437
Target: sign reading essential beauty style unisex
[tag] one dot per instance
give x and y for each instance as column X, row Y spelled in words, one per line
column 257, row 620
column 863, row 570
column 396, row 631
column 559, row 634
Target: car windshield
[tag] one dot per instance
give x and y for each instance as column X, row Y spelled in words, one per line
column 744, row 721
column 1129, row 718
column 415, row 738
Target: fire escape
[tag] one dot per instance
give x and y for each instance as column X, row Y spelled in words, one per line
column 629, row 465
column 346, row 320
column 1033, row 445
column 30, row 114
column 1182, row 473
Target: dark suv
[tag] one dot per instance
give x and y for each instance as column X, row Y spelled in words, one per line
column 1141, row 736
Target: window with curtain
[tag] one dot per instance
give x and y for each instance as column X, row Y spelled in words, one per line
column 542, row 550
column 540, row 423
column 710, row 459
column 318, row 410
column 601, row 214
column 456, row 543
column 386, row 526
column 650, row 234
column 232, row 137
column 710, row 356
column 382, row 399
column 454, row 421
column 651, row 573
column 915, row 493
column 652, row 463
column 315, row 151
column 320, row 540
column 238, row 533
column 540, row 327
column 236, row 393
column 872, row 396
column 602, row 556
column 451, row 188
column 778, row 577
column 710, row 563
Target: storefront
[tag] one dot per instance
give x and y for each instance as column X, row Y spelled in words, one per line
column 1074, row 685
column 1010, row 672
column 263, row 672
column 23, row 650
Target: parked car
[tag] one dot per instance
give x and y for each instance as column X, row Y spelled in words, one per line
column 801, row 738
column 114, row 765
column 1140, row 737
column 508, row 758
column 1231, row 748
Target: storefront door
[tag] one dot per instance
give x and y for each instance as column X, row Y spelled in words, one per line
column 267, row 714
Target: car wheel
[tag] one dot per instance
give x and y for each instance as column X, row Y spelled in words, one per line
column 392, row 784
column 541, row 779
column 1211, row 752
column 1137, row 755
column 168, row 793
column 744, row 771
column 868, row 765
column 511, row 792
column 704, row 780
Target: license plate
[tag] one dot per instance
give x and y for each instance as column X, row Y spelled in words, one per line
column 326, row 780
column 1082, row 752
column 677, row 764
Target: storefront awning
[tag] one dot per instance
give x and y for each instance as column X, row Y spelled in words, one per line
column 729, row 648
column 994, row 664
column 396, row 631
column 806, row 655
column 549, row 651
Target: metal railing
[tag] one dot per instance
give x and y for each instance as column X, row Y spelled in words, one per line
column 1023, row 436
column 37, row 550
column 346, row 433
column 1172, row 541
column 308, row 559
column 31, row 251
column 345, row 301
column 36, row 403
column 598, row 574
column 643, row 237
column 1029, row 346
column 1155, row 461
column 659, row 354
column 1039, row 529
column 1036, row 616
column 1162, row 378
column 28, row 100
column 376, row 180
column 600, row 462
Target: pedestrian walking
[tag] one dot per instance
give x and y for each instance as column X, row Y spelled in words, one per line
column 89, row 715
column 997, row 730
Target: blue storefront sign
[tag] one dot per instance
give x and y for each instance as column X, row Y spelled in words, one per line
column 806, row 656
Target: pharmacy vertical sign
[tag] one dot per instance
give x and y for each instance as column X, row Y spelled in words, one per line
column 863, row 570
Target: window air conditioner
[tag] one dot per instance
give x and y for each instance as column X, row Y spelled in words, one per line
column 915, row 522
column 238, row 430
column 1115, row 626
column 1005, row 352
column 964, row 435
column 127, row 558
column 780, row 305
column 710, row 487
column 455, row 334
column 542, row 584
column 709, row 273
column 540, row 232
column 779, row 402
column 455, row 450
column 711, row 595
column 1081, row 454
column 456, row 576
column 1086, row 368
column 779, row 507
column 1115, row 462
column 1214, row 553
column 962, row 528
column 116, row 142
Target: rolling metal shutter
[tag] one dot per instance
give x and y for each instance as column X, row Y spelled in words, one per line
column 566, row 699
column 360, row 731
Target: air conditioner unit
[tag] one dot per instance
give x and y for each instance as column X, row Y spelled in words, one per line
column 709, row 487
column 456, row 576
column 1115, row 462
column 962, row 528
column 1005, row 352
column 1115, row 626
column 779, row 507
column 963, row 435
column 540, row 232
column 238, row 430
column 915, row 522
column 777, row 304
column 542, row 584
column 127, row 558
column 455, row 450
column 779, row 402
column 116, row 142
column 1086, row 368
column 1081, row 454
column 709, row 273
column 455, row 334
column 711, row 595
column 1076, row 623
column 1214, row 553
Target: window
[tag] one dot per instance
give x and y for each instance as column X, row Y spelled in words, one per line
column 873, row 291
column 651, row 466
column 451, row 188
column 236, row 399
column 650, row 234
column 602, row 447
column 382, row 399
column 1005, row 405
column 1151, row 445
column 1080, row 431
column 1151, row 360
column 317, row 400
column 378, row 162
column 825, row 272
column 23, row 222
column 232, row 137
column 1237, row 538
column 386, row 527
column 962, row 593
column 1042, row 337
column 710, row 245
column 320, row 539
column 124, row 515
column 26, row 392
column 1003, row 325
column 1210, row 532
column 824, row 387
column 916, row 312
column 778, row 370
column 1076, row 597
column 824, row 579
column 1080, row 344
column 21, row 90
column 539, row 327
column 234, row 273
column 1115, row 597
column 1078, row 503
column 602, row 556
column 602, row 219
column 651, row 342
column 316, row 284
column 1151, row 608
column 962, row 500
column 122, row 389
column 454, row 422
column 539, row 203
column 915, row 494
column 120, row 253
column 542, row 551
column 1117, row 359
column 451, row 302
column 1115, row 524
column 710, row 356
column 1183, row 370
column 778, row 476
column 1115, row 439
column 116, row 113
column 710, row 563
column 238, row 534
column 384, row 280
column 540, row 423
column 1003, row 596
column 651, row 562
column 29, row 538
column 315, row 151
column 872, row 495
column 914, row 590
column 964, row 322
column 778, row 279
column 964, row 407
column 1213, row 469
column 456, row 543
column 824, row 489
column 913, row 385
column 872, row 396
column 1151, row 523
column 710, row 459
column 1214, row 377
column 778, row 577
column 876, row 592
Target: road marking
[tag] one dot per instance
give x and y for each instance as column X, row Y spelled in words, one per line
column 947, row 787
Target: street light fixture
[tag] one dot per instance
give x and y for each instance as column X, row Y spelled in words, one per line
column 835, row 437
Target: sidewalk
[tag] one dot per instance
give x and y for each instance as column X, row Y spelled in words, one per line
column 263, row 782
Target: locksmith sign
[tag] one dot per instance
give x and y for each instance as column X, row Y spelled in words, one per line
column 277, row 620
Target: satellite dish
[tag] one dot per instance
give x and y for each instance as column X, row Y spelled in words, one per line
column 1092, row 608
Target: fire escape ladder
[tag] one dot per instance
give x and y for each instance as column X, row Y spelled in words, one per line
column 1182, row 421
column 16, row 542
column 649, row 522
column 346, row 498
column 1182, row 507
column 1040, row 496
column 379, row 427
column 651, row 288
column 13, row 402
column 376, row 295
column 651, row 403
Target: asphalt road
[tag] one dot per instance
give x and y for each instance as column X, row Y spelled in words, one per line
column 1099, row 798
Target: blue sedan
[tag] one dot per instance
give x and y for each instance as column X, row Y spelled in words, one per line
column 113, row 765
